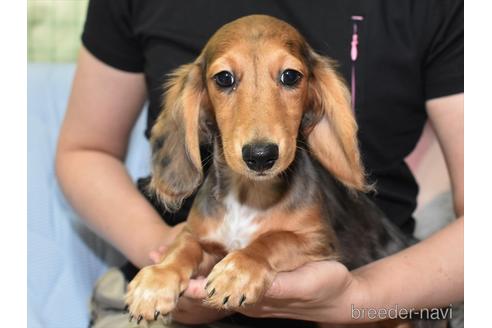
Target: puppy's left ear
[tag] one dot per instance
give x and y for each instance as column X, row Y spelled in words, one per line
column 175, row 138
column 332, row 137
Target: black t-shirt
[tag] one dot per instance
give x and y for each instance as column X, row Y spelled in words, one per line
column 409, row 51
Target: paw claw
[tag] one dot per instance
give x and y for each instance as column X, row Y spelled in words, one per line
column 156, row 315
column 241, row 301
column 212, row 292
column 140, row 317
column 130, row 318
column 225, row 300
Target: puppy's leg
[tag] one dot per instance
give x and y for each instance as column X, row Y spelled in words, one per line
column 243, row 276
column 155, row 289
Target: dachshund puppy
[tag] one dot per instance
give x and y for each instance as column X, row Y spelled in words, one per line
column 286, row 185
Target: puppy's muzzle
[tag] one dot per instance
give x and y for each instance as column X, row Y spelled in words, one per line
column 260, row 156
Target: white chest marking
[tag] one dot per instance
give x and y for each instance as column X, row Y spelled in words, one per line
column 237, row 226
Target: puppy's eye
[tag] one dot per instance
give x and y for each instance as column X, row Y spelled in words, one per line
column 290, row 77
column 224, row 79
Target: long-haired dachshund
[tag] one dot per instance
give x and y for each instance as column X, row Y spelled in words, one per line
column 286, row 185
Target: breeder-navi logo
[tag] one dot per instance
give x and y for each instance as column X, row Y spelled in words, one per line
column 398, row 312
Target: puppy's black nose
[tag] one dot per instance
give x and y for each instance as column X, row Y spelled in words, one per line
column 260, row 156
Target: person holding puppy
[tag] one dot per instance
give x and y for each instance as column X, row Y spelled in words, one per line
column 409, row 68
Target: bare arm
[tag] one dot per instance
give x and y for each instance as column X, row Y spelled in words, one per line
column 431, row 272
column 446, row 116
column 103, row 107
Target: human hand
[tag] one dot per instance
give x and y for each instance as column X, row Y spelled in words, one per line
column 318, row 291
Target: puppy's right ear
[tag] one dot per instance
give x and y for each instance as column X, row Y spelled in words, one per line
column 176, row 163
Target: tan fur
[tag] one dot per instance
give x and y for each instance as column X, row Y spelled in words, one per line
column 334, row 139
column 258, row 109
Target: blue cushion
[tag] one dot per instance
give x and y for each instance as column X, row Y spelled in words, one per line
column 64, row 257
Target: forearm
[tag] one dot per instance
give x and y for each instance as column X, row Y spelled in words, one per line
column 101, row 191
column 426, row 275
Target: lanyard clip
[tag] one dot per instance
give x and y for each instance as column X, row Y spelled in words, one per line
column 353, row 54
column 355, row 37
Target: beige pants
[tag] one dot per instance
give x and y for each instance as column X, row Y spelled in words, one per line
column 108, row 307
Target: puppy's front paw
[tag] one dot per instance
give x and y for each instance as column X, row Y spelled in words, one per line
column 237, row 280
column 154, row 291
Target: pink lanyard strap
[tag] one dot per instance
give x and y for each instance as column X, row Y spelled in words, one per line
column 354, row 53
